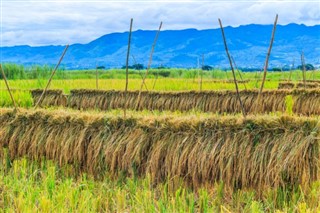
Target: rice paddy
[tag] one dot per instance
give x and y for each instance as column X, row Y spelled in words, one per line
column 177, row 150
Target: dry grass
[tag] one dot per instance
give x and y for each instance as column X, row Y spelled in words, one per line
column 309, row 85
column 286, row 85
column 306, row 102
column 51, row 97
column 257, row 152
column 205, row 101
column 300, row 85
column 226, row 81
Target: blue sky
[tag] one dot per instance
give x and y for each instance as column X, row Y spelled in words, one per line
column 59, row 22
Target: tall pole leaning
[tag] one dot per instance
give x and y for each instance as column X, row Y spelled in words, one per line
column 234, row 76
column 303, row 66
column 244, row 83
column 201, row 74
column 290, row 74
column 127, row 71
column 97, row 78
column 268, row 55
column 149, row 65
column 8, row 88
column 52, row 74
column 135, row 62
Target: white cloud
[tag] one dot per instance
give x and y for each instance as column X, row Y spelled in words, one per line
column 60, row 22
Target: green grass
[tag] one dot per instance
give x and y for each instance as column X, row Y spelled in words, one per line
column 30, row 187
column 23, row 98
column 27, row 186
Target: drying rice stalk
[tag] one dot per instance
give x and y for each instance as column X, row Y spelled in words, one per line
column 51, row 98
column 289, row 85
column 308, row 85
column 205, row 101
column 306, row 102
column 286, row 85
column 257, row 152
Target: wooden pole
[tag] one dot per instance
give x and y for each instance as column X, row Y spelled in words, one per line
column 8, row 88
column 135, row 62
column 149, row 64
column 268, row 55
column 198, row 77
column 201, row 75
column 155, row 80
column 127, row 72
column 97, row 78
column 52, row 74
column 303, row 70
column 290, row 74
column 244, row 83
column 234, row 76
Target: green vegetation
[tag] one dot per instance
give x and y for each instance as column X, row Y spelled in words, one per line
column 30, row 187
column 31, row 184
column 15, row 72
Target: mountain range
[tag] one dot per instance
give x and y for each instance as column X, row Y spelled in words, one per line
column 248, row 44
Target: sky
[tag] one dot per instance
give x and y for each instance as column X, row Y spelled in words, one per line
column 59, row 22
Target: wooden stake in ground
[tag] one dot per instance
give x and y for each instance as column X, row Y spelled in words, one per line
column 127, row 73
column 244, row 83
column 303, row 70
column 149, row 64
column 201, row 75
column 135, row 62
column 97, row 78
column 8, row 88
column 268, row 55
column 234, row 76
column 52, row 74
column 290, row 74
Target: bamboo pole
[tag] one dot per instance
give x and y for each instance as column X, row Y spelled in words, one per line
column 97, row 78
column 149, row 64
column 198, row 69
column 268, row 55
column 290, row 74
column 135, row 62
column 155, row 80
column 52, row 74
column 201, row 75
column 244, row 83
column 8, row 88
column 127, row 71
column 234, row 76
column 303, row 70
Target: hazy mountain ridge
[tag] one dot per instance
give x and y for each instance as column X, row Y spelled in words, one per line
column 181, row 48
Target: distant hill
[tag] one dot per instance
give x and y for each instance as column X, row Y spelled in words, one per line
column 181, row 48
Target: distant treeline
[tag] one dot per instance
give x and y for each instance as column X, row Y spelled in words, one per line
column 244, row 69
column 14, row 71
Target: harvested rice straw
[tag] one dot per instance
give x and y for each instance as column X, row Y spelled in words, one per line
column 257, row 152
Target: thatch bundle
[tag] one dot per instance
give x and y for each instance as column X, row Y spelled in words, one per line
column 50, row 98
column 306, row 102
column 255, row 152
column 308, row 85
column 299, row 85
column 205, row 101
column 313, row 81
column 226, row 81
column 286, row 85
